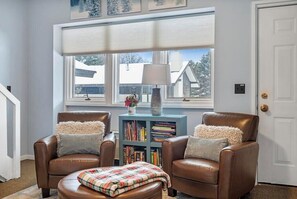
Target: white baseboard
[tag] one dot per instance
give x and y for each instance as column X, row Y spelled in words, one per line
column 27, row 157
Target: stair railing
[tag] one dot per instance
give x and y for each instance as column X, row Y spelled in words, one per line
column 10, row 166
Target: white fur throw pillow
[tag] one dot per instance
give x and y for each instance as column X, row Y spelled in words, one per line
column 72, row 127
column 234, row 135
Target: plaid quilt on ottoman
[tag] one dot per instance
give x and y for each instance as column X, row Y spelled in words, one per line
column 114, row 181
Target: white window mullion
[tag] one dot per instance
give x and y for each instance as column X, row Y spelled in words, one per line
column 108, row 80
column 69, row 77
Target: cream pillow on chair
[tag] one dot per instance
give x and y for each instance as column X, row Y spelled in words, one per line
column 79, row 137
column 72, row 127
column 234, row 135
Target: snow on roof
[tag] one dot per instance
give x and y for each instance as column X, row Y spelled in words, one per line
column 176, row 75
column 98, row 78
column 131, row 74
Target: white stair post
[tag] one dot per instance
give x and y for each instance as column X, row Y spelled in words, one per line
column 10, row 166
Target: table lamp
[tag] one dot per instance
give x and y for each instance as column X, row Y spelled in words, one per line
column 156, row 74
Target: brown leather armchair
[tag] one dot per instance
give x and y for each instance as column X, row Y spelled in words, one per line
column 232, row 177
column 50, row 169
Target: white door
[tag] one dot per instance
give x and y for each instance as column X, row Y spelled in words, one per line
column 277, row 87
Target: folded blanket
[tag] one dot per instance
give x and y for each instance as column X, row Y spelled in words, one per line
column 113, row 181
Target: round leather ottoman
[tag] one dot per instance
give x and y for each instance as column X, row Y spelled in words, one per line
column 70, row 188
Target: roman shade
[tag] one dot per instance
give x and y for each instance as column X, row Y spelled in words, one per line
column 153, row 34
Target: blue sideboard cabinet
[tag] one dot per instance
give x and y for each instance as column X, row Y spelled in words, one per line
column 141, row 136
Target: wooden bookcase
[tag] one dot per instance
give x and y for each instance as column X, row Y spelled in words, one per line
column 141, row 135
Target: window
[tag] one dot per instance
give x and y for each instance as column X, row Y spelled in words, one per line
column 85, row 78
column 89, row 76
column 104, row 62
column 130, row 70
column 190, row 74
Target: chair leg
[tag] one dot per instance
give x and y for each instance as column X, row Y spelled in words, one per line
column 45, row 192
column 172, row 192
column 246, row 196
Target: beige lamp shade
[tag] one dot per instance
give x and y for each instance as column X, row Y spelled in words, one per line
column 156, row 74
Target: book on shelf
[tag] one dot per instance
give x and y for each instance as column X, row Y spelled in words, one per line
column 161, row 128
column 156, row 158
column 134, row 131
column 165, row 124
column 133, row 154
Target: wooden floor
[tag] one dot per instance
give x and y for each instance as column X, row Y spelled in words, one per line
column 28, row 178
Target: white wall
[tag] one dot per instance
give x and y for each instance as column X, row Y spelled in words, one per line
column 14, row 57
column 232, row 60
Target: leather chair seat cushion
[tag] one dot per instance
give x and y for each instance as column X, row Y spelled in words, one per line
column 200, row 170
column 70, row 163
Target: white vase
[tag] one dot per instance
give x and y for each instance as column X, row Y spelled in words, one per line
column 131, row 110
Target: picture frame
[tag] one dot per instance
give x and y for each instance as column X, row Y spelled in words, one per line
column 117, row 7
column 85, row 9
column 165, row 4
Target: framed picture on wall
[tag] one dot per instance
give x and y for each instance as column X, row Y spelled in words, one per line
column 165, row 4
column 116, row 7
column 85, row 8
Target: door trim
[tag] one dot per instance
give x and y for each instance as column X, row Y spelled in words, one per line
column 256, row 5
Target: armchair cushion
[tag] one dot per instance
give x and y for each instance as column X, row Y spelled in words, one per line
column 205, row 148
column 77, row 144
column 70, row 163
column 200, row 170
column 233, row 134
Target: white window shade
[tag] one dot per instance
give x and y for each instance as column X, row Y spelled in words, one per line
column 131, row 37
column 196, row 31
column 181, row 32
column 84, row 40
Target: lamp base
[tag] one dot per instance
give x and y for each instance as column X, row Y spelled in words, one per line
column 156, row 103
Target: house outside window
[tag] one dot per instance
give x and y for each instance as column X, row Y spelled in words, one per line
column 89, row 76
column 190, row 74
column 130, row 69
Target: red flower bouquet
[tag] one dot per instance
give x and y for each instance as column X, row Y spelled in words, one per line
column 131, row 100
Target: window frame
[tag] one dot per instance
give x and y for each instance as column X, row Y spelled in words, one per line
column 70, row 100
column 112, row 86
column 191, row 102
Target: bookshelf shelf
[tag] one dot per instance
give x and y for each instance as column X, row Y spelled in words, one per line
column 141, row 136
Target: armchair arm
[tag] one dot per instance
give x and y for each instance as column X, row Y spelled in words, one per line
column 173, row 149
column 237, row 172
column 107, row 150
column 45, row 149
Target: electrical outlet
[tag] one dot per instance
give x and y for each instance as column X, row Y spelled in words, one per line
column 239, row 89
column 8, row 88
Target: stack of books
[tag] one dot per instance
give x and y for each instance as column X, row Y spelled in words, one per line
column 163, row 130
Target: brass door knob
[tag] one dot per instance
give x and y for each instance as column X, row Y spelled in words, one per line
column 264, row 95
column 264, row 107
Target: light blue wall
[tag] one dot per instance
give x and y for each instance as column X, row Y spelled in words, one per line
column 14, row 58
column 232, row 61
column 232, row 55
column 43, row 14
